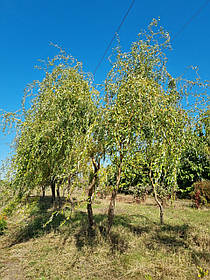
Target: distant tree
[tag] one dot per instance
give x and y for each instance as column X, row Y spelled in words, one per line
column 194, row 164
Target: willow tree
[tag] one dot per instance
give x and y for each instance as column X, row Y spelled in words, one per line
column 51, row 136
column 145, row 114
column 96, row 152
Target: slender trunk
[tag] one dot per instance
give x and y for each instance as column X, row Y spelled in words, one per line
column 160, row 206
column 43, row 191
column 157, row 200
column 89, row 204
column 91, row 191
column 52, row 185
column 113, row 198
column 58, row 196
column 111, row 209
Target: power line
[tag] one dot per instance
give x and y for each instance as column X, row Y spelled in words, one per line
column 125, row 16
column 190, row 19
column 110, row 43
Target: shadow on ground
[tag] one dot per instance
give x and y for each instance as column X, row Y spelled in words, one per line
column 167, row 236
column 44, row 219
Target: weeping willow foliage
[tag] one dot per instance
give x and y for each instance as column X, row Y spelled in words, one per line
column 65, row 131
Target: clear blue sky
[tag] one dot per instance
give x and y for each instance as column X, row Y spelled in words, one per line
column 85, row 28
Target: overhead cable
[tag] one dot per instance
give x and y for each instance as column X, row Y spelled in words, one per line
column 117, row 31
column 190, row 19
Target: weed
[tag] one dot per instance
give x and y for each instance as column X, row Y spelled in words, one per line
column 148, row 277
column 202, row 273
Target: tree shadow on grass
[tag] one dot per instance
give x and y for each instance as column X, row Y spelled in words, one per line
column 136, row 229
column 38, row 226
column 91, row 238
column 200, row 257
column 180, row 231
column 86, row 238
column 170, row 236
column 180, row 236
column 42, row 219
column 44, row 203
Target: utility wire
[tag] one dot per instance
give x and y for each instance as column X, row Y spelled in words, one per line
column 110, row 43
column 190, row 19
column 175, row 36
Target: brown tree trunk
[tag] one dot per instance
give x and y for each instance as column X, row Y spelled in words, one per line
column 52, row 186
column 91, row 191
column 157, row 200
column 160, row 206
column 113, row 198
column 111, row 209
column 89, row 204
column 43, row 191
column 58, row 196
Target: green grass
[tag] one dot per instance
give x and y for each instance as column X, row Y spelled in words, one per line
column 137, row 248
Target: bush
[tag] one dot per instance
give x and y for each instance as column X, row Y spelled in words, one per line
column 201, row 193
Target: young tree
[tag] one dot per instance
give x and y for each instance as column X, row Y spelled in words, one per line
column 95, row 152
column 145, row 114
column 51, row 137
column 132, row 87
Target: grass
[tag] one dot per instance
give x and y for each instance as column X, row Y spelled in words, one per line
column 137, row 248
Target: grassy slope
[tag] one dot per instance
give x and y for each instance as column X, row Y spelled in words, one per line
column 138, row 247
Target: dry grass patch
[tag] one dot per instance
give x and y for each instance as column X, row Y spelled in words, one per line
column 137, row 248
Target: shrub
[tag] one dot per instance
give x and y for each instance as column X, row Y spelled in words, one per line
column 201, row 193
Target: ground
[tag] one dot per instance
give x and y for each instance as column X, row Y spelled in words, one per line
column 137, row 248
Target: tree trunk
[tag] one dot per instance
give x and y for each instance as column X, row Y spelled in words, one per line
column 43, row 191
column 91, row 191
column 113, row 198
column 111, row 209
column 156, row 199
column 89, row 204
column 52, row 185
column 160, row 206
column 58, row 196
